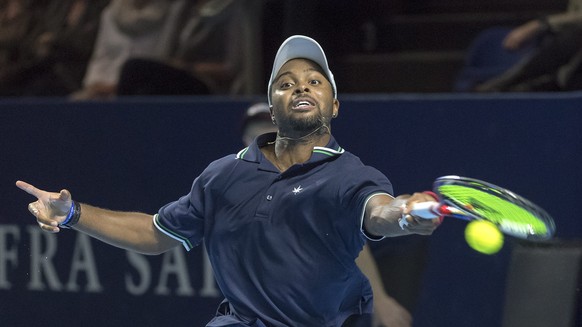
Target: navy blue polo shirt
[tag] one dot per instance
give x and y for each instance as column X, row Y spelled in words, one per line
column 282, row 245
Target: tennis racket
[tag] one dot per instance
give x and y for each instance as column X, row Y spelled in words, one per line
column 470, row 199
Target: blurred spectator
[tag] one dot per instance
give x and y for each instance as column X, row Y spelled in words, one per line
column 221, row 45
column 172, row 47
column 403, row 260
column 129, row 28
column 256, row 121
column 46, row 45
column 555, row 65
column 15, row 22
column 487, row 58
column 388, row 309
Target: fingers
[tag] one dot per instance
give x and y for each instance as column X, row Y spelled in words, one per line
column 65, row 195
column 417, row 198
column 29, row 189
column 420, row 225
column 48, row 207
column 48, row 228
column 45, row 223
column 33, row 209
column 412, row 223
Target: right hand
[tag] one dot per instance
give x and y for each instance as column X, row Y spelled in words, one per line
column 419, row 225
column 50, row 209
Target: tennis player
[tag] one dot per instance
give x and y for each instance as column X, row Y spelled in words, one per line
column 282, row 221
column 387, row 310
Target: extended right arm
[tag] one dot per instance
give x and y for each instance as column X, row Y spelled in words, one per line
column 132, row 231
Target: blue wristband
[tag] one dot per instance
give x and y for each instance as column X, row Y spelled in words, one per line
column 70, row 215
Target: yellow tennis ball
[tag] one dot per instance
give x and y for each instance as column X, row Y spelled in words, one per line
column 483, row 236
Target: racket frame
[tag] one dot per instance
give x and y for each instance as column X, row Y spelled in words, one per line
column 460, row 212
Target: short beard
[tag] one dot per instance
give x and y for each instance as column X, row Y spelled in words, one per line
column 306, row 125
column 310, row 126
column 306, row 130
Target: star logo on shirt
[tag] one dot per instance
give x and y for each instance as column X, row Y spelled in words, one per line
column 297, row 190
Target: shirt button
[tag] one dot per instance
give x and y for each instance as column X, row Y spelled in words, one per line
column 269, row 197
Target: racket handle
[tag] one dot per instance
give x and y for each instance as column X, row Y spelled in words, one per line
column 425, row 210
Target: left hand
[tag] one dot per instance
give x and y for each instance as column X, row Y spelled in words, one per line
column 50, row 208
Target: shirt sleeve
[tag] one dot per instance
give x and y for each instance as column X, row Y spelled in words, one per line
column 361, row 186
column 183, row 219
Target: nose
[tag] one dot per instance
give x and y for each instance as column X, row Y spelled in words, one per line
column 301, row 88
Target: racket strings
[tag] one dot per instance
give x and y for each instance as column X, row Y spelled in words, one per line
column 505, row 210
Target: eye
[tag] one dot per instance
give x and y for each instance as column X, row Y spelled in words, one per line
column 315, row 82
column 285, row 85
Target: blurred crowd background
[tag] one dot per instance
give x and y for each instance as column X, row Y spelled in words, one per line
column 104, row 48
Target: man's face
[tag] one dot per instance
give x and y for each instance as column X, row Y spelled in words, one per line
column 302, row 97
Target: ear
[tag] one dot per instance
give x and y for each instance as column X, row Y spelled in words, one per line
column 336, row 105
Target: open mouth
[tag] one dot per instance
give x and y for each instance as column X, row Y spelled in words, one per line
column 303, row 103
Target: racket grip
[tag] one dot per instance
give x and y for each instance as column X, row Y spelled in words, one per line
column 427, row 210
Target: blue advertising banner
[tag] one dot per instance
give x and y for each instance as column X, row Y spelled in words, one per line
column 139, row 154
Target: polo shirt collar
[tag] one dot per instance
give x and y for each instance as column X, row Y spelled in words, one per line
column 252, row 153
